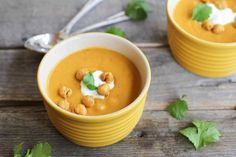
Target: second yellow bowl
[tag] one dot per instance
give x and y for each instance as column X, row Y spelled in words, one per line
column 208, row 59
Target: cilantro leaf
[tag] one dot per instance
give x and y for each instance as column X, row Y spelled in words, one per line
column 201, row 12
column 41, row 150
column 116, row 31
column 178, row 109
column 18, row 150
column 137, row 10
column 88, row 81
column 203, row 134
column 28, row 153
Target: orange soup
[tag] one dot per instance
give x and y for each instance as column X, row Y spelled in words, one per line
column 183, row 16
column 72, row 83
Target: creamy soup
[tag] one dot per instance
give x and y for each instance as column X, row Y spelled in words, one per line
column 183, row 16
column 124, row 86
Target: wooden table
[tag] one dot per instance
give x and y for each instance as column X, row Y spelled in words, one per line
column 24, row 119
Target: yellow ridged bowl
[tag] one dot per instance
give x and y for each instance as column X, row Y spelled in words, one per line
column 201, row 57
column 102, row 130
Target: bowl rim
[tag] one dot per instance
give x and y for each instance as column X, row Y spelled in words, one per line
column 106, row 116
column 196, row 39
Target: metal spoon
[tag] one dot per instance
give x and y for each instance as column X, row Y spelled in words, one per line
column 44, row 42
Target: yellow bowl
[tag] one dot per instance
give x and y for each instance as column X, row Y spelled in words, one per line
column 103, row 130
column 205, row 58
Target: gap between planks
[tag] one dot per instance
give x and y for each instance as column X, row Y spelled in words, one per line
column 21, row 104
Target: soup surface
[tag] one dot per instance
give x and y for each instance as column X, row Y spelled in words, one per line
column 127, row 81
column 183, row 16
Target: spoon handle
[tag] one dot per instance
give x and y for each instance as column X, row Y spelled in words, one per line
column 86, row 8
column 107, row 22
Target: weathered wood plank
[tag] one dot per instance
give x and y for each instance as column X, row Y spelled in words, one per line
column 156, row 135
column 18, row 81
column 22, row 19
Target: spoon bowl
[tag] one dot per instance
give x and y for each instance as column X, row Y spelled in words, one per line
column 43, row 42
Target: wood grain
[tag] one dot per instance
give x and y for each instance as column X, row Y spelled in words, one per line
column 22, row 19
column 18, row 70
column 156, row 135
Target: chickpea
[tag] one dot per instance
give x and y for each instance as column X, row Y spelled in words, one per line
column 80, row 109
column 65, row 92
column 207, row 26
column 107, row 77
column 234, row 23
column 204, row 1
column 64, row 104
column 88, row 101
column 104, row 90
column 80, row 74
column 218, row 29
column 221, row 4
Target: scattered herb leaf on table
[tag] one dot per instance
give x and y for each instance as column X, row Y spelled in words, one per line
column 137, row 10
column 39, row 150
column 202, row 134
column 178, row 109
column 116, row 31
column 18, row 150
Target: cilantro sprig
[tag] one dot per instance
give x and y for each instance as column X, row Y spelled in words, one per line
column 137, row 10
column 88, row 81
column 116, row 31
column 202, row 134
column 201, row 12
column 179, row 108
column 39, row 150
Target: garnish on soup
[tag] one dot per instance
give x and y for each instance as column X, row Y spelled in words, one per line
column 201, row 12
column 212, row 20
column 213, row 15
column 93, row 85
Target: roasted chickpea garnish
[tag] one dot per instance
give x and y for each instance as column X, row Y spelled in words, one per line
column 218, row 29
column 234, row 23
column 107, row 77
column 104, row 90
column 88, row 101
column 207, row 26
column 204, row 1
column 80, row 109
column 65, row 92
column 64, row 104
column 80, row 74
column 221, row 4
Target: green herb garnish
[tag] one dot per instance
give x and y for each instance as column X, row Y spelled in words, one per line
column 203, row 134
column 137, row 10
column 201, row 12
column 178, row 109
column 39, row 150
column 88, row 81
column 116, row 31
column 17, row 150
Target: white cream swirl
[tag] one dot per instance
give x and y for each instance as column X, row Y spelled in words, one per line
column 221, row 16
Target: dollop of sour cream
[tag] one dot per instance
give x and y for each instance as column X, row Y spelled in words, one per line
column 221, row 16
column 97, row 82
